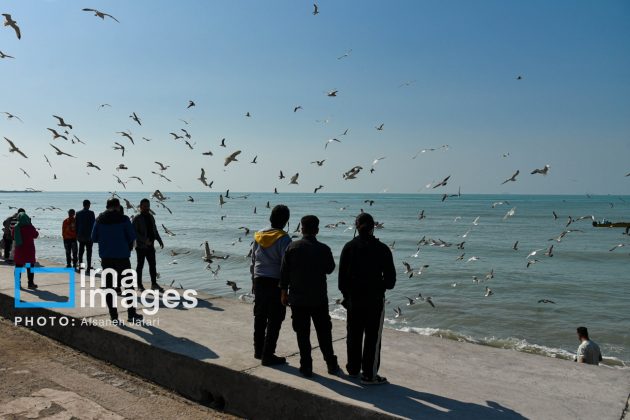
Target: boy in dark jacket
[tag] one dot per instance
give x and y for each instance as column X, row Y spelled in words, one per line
column 366, row 270
column 146, row 235
column 115, row 235
column 269, row 312
column 305, row 265
column 85, row 222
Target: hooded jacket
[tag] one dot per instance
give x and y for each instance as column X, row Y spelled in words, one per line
column 366, row 270
column 114, row 234
column 267, row 252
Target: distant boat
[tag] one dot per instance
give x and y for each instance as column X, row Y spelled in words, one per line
column 612, row 224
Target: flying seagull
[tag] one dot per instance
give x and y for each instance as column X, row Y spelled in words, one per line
column 91, row 165
column 14, row 149
column 318, row 188
column 47, row 161
column 8, row 21
column 135, row 117
column 9, row 115
column 542, row 171
column 56, row 135
column 59, row 151
column 346, row 54
column 315, row 9
column 332, row 93
column 380, row 127
column 442, row 183
column 295, row 109
column 546, row 301
column 120, row 147
column 512, row 178
column 62, row 123
column 120, row 181
column 100, row 14
column 319, row 162
column 3, row 55
column 330, row 141
column 125, row 134
column 231, row 158
column 202, row 177
column 191, row 104
column 294, row 179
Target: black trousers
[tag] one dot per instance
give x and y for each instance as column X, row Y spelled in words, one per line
column 86, row 246
column 365, row 327
column 118, row 265
column 149, row 254
column 269, row 314
column 71, row 251
column 301, row 319
column 8, row 243
column 29, row 274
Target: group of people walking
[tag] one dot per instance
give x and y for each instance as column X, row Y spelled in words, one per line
column 286, row 273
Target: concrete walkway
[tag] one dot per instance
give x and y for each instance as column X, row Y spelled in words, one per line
column 206, row 354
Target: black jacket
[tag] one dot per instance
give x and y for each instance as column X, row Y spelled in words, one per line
column 366, row 270
column 304, row 267
column 140, row 225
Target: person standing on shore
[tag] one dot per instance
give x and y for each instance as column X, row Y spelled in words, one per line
column 114, row 235
column 588, row 352
column 24, row 235
column 366, row 270
column 269, row 312
column 7, row 231
column 85, row 222
column 69, row 234
column 303, row 273
column 146, row 235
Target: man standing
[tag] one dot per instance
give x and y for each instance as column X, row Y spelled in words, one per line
column 588, row 352
column 7, row 231
column 146, row 235
column 85, row 222
column 69, row 234
column 305, row 265
column 366, row 270
column 115, row 235
column 269, row 312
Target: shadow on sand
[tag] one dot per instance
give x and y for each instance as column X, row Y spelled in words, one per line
column 164, row 340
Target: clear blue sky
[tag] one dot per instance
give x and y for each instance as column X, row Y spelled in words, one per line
column 571, row 110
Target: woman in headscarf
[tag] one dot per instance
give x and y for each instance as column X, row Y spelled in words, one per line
column 24, row 235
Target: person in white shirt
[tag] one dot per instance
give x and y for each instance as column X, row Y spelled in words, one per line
column 588, row 352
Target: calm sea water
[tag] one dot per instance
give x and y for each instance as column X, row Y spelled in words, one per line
column 588, row 283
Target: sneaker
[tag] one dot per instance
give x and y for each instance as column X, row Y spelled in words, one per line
column 273, row 360
column 32, row 286
column 334, row 369
column 377, row 380
column 157, row 287
column 141, row 287
column 68, row 266
column 306, row 372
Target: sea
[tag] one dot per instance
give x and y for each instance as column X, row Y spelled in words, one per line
column 586, row 279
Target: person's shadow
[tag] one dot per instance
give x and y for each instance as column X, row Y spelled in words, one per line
column 201, row 304
column 45, row 295
column 164, row 340
column 404, row 402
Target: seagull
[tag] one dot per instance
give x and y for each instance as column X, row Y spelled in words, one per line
column 346, row 54
column 14, row 149
column 515, row 246
column 421, row 215
column 427, row 299
column 176, row 136
column 59, row 152
column 3, row 55
column 100, row 14
column 121, row 167
column 10, row 116
column 318, row 188
column 530, row 262
column 512, row 178
column 555, row 216
column 120, row 147
column 510, row 213
column 24, row 172
column 233, row 285
column 254, row 160
column 294, row 179
column 542, row 171
column 161, row 175
column 563, row 234
column 8, row 21
column 128, row 205
column 490, row 275
column 231, row 158
column 56, row 135
column 162, row 166
column 247, row 114
column 377, row 160
column 380, row 127
column 500, row 203
column 103, row 106
column 135, row 117
column 188, row 144
column 202, row 177
column 345, row 132
column 549, row 251
column 489, row 292
column 47, row 161
column 223, row 142
column 120, row 181
column 167, row 231
column 332, row 93
column 397, row 312
column 295, row 109
column 473, row 259
column 319, row 162
column 138, row 178
column 315, row 9
column 186, row 133
column 408, row 268
column 191, row 104
column 125, row 134
column 533, row 253
column 208, row 153
column 476, row 221
column 406, row 84
column 546, row 301
column 221, row 200
column 442, row 183
column 192, row 200
column 330, row 141
column 91, row 165
column 616, row 246
column 519, row 77
column 207, row 254
column 62, row 123
column 78, row 140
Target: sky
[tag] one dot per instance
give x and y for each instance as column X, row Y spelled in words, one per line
column 571, row 109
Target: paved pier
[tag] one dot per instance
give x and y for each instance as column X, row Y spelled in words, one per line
column 206, row 354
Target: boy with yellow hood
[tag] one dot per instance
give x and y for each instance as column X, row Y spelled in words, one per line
column 267, row 252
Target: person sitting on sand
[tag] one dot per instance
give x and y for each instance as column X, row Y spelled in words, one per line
column 269, row 312
column 69, row 234
column 24, row 235
column 588, row 352
column 303, row 273
column 366, row 270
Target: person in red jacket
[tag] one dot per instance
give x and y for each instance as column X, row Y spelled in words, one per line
column 24, row 235
column 69, row 234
